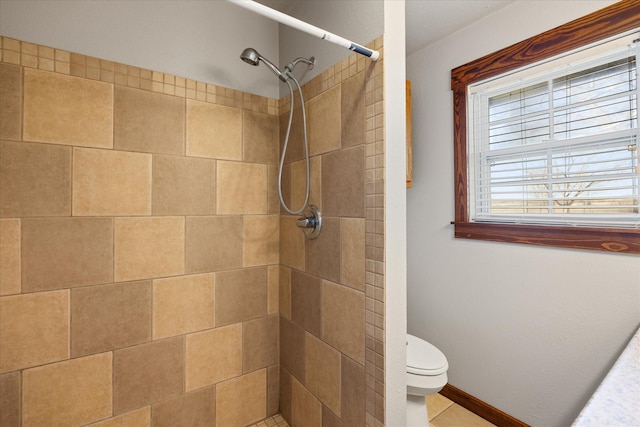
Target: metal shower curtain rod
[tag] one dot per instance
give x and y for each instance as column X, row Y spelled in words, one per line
column 305, row 27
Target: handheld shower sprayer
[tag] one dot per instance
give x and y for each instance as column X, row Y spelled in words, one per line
column 311, row 223
column 252, row 57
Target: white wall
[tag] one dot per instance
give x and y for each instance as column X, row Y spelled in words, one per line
column 395, row 212
column 200, row 40
column 530, row 330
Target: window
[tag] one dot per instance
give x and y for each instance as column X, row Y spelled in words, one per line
column 547, row 144
column 560, row 147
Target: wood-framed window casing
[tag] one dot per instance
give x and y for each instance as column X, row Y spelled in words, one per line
column 605, row 23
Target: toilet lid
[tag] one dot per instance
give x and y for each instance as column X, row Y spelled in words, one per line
column 424, row 358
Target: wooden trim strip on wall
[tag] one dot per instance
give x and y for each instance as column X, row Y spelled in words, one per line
column 480, row 408
column 409, row 139
column 607, row 22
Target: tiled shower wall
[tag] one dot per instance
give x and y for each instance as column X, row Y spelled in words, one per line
column 139, row 236
column 141, row 240
column 332, row 288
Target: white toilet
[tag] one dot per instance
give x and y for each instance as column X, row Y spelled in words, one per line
column 426, row 374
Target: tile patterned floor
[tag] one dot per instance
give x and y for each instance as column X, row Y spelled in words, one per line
column 442, row 413
column 275, row 421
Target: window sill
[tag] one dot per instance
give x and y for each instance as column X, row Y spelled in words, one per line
column 599, row 239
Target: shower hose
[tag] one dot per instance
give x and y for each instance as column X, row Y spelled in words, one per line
column 286, row 142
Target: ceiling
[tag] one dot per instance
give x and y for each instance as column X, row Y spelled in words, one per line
column 430, row 20
column 426, row 20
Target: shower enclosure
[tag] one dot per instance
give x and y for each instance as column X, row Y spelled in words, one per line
column 149, row 276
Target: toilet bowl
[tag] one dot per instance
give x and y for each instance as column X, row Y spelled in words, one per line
column 426, row 374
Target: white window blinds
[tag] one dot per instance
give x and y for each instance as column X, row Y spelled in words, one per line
column 558, row 146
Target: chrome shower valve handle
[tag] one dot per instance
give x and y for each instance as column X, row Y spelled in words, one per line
column 306, row 222
column 311, row 222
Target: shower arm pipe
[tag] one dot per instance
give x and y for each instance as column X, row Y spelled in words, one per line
column 305, row 27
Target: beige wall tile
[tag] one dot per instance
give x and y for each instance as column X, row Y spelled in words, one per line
column 73, row 392
column 241, row 401
column 285, row 186
column 323, row 372
column 273, row 291
column 353, row 252
column 34, row 329
column 213, row 243
column 299, row 182
column 315, row 193
column 148, row 247
column 260, row 343
column 182, row 305
column 147, row 373
column 353, row 110
column 329, row 419
column 343, row 178
column 61, row 109
column 293, row 349
column 10, row 396
column 241, row 188
column 139, row 418
column 273, row 390
column 184, row 186
column 295, row 148
column 306, row 409
column 306, row 301
column 323, row 254
column 108, row 317
column 272, row 189
column 261, row 240
column 260, row 137
column 284, row 292
column 353, row 393
column 343, row 319
column 324, row 122
column 10, row 101
column 284, row 395
column 107, row 183
column 292, row 243
column 241, row 295
column 10, row 256
column 195, row 409
column 214, row 131
column 36, row 180
column 148, row 122
column 214, row 356
column 66, row 252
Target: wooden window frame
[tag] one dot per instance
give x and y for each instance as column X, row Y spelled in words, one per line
column 608, row 22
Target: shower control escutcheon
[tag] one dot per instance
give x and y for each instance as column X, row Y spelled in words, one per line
column 311, row 222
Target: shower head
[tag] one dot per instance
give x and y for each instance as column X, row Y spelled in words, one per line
column 251, row 56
